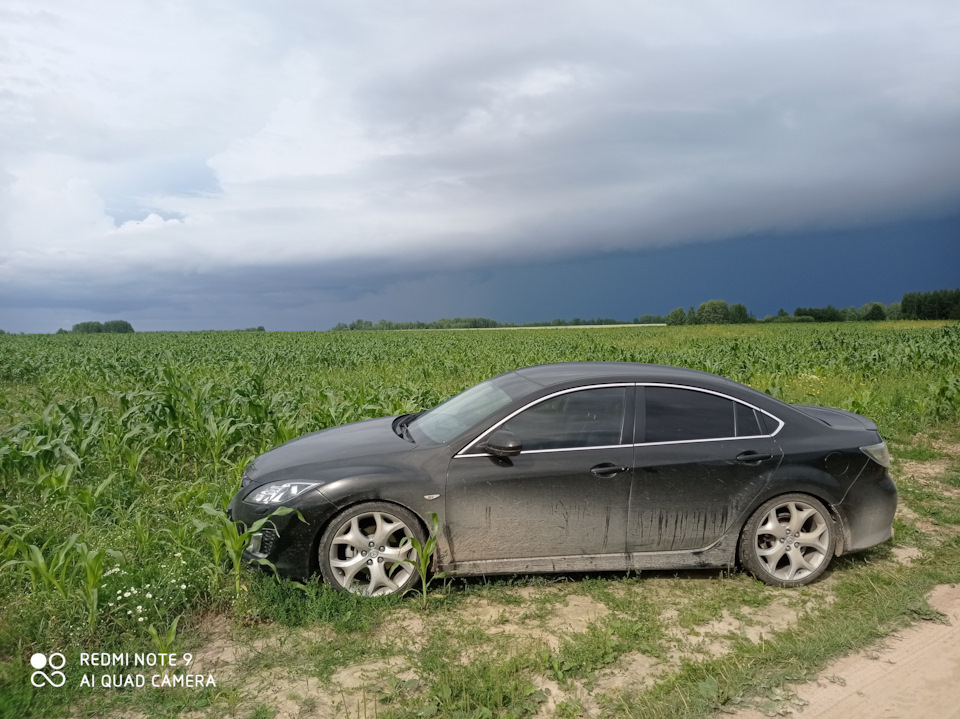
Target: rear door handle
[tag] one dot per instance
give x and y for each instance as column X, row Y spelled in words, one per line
column 607, row 469
column 751, row 457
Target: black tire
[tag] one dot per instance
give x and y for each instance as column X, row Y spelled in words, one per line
column 788, row 541
column 363, row 549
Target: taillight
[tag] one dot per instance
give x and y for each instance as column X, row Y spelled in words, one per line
column 878, row 453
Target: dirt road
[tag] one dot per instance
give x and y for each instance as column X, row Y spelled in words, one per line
column 913, row 674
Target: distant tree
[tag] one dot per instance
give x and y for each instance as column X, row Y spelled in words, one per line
column 739, row 314
column 677, row 317
column 820, row 314
column 782, row 313
column 692, row 318
column 937, row 305
column 113, row 327
column 60, row 331
column 650, row 320
column 850, row 314
column 87, row 328
column 713, row 312
column 788, row 319
column 118, row 327
column 893, row 311
column 875, row 313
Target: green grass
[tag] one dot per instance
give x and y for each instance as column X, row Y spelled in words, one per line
column 921, row 452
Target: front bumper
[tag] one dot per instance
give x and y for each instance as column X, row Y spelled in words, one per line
column 285, row 541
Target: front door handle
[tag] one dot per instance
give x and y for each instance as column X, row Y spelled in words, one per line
column 607, row 469
column 751, row 457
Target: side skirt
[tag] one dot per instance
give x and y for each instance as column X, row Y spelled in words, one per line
column 720, row 554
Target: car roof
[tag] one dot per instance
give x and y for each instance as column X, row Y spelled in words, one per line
column 550, row 374
column 572, row 373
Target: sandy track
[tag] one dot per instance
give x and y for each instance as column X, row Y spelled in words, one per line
column 914, row 673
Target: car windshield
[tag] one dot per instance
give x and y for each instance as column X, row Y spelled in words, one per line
column 461, row 412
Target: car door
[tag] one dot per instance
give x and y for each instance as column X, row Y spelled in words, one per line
column 565, row 494
column 700, row 459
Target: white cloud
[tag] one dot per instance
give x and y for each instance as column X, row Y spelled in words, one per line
column 149, row 223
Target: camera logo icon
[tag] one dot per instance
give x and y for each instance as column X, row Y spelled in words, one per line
column 55, row 661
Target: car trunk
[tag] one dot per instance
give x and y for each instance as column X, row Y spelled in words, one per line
column 837, row 418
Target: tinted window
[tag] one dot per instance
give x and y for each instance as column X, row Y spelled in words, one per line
column 746, row 418
column 587, row 418
column 769, row 424
column 675, row 415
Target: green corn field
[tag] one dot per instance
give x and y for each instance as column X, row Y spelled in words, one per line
column 119, row 453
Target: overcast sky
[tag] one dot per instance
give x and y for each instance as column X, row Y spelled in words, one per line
column 221, row 164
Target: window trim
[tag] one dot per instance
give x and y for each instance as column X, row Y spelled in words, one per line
column 466, row 451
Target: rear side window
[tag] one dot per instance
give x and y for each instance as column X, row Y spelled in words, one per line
column 679, row 415
column 746, row 419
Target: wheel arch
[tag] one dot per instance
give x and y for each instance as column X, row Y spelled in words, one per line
column 835, row 514
column 314, row 564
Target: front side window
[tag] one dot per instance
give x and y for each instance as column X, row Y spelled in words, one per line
column 585, row 418
column 467, row 409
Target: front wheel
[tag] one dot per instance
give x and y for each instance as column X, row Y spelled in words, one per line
column 366, row 549
column 788, row 541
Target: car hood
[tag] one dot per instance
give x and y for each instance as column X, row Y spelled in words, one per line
column 303, row 457
column 836, row 418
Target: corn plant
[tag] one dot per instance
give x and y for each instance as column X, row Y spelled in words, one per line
column 227, row 539
column 44, row 574
column 88, row 498
column 423, row 557
column 55, row 481
column 92, row 561
column 164, row 643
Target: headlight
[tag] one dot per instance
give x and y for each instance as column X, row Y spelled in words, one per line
column 279, row 492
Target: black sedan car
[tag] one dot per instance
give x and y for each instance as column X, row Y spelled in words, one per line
column 585, row 466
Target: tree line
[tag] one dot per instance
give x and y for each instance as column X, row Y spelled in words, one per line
column 936, row 305
column 120, row 327
column 462, row 323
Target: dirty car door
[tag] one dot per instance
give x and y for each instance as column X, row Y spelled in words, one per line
column 565, row 494
column 700, row 460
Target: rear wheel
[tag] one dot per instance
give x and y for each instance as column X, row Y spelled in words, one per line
column 788, row 541
column 366, row 549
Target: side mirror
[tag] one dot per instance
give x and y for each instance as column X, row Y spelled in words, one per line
column 503, row 443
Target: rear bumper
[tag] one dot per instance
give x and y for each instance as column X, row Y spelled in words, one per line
column 868, row 510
